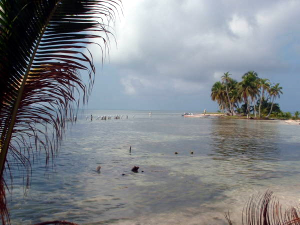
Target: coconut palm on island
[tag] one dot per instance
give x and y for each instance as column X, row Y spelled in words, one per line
column 252, row 96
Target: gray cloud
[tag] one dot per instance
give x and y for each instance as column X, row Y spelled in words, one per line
column 178, row 47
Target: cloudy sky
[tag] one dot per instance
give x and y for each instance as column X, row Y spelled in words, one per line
column 169, row 53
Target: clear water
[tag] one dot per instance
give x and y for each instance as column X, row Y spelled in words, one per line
column 232, row 160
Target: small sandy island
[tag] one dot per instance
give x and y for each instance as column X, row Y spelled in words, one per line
column 202, row 115
column 292, row 122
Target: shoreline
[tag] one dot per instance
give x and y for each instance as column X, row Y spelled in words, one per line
column 204, row 115
column 292, row 122
column 200, row 115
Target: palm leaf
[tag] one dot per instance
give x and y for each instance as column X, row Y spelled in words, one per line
column 42, row 44
column 265, row 209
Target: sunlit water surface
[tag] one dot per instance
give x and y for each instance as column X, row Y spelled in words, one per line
column 232, row 160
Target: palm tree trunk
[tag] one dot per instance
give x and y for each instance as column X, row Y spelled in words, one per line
column 232, row 108
column 233, row 112
column 248, row 108
column 259, row 108
column 271, row 107
column 229, row 102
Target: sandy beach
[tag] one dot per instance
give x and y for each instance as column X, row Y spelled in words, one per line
column 203, row 115
column 292, row 122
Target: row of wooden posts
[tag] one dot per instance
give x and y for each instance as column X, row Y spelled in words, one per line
column 116, row 117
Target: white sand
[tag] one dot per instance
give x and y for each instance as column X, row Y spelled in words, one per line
column 292, row 122
column 202, row 115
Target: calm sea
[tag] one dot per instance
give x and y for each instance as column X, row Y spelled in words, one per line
column 232, row 160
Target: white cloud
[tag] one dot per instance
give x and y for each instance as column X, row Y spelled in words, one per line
column 240, row 27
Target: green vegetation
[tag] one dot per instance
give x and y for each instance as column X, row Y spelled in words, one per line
column 252, row 96
column 296, row 115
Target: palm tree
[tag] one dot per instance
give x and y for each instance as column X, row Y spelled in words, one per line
column 264, row 85
column 42, row 51
column 248, row 88
column 274, row 92
column 297, row 113
column 218, row 94
column 226, row 79
column 234, row 94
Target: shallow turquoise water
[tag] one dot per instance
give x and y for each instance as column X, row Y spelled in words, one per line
column 232, row 160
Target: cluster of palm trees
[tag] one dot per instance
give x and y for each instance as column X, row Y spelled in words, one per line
column 252, row 95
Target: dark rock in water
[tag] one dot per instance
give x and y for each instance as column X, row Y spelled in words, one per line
column 123, row 174
column 98, row 169
column 176, row 153
column 135, row 169
column 192, row 153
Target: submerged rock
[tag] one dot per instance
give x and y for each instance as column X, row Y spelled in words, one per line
column 135, row 169
column 98, row 169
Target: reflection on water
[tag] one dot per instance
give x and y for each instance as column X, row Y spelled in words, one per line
column 232, row 159
column 249, row 140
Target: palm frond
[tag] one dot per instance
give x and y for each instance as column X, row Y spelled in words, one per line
column 265, row 209
column 42, row 47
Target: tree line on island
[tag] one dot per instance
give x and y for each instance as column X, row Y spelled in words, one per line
column 253, row 95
